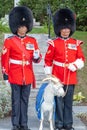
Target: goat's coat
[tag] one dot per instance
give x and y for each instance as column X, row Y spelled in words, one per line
column 45, row 99
column 39, row 99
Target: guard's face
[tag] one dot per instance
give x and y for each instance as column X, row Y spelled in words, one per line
column 22, row 31
column 65, row 32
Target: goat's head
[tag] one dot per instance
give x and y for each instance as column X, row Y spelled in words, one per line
column 56, row 84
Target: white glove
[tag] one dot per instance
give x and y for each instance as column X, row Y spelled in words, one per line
column 36, row 54
column 48, row 70
column 72, row 67
column 61, row 92
column 7, row 83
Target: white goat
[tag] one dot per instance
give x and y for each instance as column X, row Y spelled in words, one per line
column 54, row 88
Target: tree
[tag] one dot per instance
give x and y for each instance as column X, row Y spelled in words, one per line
column 5, row 7
column 39, row 9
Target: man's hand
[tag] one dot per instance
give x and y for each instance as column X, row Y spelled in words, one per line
column 72, row 67
column 36, row 54
column 7, row 83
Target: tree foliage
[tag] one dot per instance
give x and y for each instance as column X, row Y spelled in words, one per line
column 5, row 7
column 39, row 9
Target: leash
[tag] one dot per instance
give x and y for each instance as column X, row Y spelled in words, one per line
column 67, row 86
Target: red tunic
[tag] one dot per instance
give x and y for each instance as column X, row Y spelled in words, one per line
column 63, row 51
column 19, row 73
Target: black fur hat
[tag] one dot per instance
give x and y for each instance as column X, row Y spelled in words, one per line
column 64, row 18
column 20, row 16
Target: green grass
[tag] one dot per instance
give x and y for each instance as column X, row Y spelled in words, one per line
column 80, row 35
column 42, row 29
column 82, row 74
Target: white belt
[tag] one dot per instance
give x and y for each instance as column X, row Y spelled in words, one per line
column 60, row 64
column 19, row 62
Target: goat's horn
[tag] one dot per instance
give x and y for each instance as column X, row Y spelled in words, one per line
column 54, row 79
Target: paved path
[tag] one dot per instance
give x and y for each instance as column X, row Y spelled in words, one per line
column 5, row 124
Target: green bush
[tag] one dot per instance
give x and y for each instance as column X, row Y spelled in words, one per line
column 5, row 100
column 82, row 21
column 4, row 28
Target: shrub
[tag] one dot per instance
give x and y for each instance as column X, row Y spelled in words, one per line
column 5, row 100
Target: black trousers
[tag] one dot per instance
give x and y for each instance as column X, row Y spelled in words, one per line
column 20, row 99
column 63, row 110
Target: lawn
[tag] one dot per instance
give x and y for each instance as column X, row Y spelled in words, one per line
column 82, row 74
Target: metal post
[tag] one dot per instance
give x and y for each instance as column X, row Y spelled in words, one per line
column 49, row 26
column 49, row 19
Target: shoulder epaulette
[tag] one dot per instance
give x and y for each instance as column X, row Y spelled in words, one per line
column 7, row 36
column 50, row 41
column 79, row 42
column 11, row 36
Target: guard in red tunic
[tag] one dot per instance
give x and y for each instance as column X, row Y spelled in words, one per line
column 63, row 58
column 18, row 53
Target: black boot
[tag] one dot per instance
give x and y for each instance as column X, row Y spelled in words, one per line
column 24, row 128
column 15, row 128
column 69, row 128
column 58, row 128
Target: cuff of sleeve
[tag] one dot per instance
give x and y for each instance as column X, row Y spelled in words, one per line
column 79, row 63
column 5, row 77
column 75, row 66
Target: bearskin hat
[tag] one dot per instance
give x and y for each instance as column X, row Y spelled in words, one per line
column 64, row 18
column 20, row 16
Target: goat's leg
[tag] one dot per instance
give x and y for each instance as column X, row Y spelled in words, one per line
column 41, row 121
column 51, row 119
column 41, row 125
